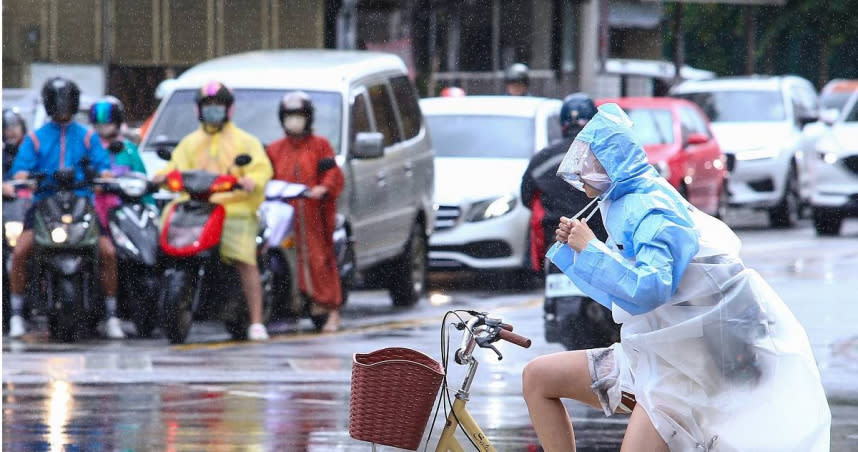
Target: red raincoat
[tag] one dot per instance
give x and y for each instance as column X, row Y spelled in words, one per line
column 310, row 161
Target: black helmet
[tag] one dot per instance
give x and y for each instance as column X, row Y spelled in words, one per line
column 107, row 110
column 297, row 102
column 517, row 73
column 217, row 91
column 60, row 96
column 577, row 108
column 12, row 118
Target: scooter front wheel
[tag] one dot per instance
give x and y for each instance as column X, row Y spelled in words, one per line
column 176, row 314
column 146, row 306
column 66, row 321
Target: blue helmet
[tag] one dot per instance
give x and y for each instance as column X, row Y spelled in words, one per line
column 107, row 110
column 577, row 109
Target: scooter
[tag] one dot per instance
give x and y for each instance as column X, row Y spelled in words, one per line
column 196, row 283
column 572, row 318
column 279, row 260
column 133, row 227
column 66, row 249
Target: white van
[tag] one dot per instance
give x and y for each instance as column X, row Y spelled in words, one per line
column 367, row 108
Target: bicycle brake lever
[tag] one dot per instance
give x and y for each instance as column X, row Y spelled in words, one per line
column 484, row 342
column 497, row 352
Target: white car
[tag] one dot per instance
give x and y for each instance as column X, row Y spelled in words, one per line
column 482, row 147
column 834, row 170
column 758, row 122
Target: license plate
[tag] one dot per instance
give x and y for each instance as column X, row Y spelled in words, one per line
column 559, row 285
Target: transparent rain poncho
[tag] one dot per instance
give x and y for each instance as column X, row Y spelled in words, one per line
column 710, row 351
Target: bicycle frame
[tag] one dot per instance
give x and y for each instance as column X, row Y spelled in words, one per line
column 459, row 414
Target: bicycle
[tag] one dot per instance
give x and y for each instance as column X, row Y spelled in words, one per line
column 480, row 330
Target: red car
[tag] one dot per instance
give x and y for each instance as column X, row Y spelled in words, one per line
column 676, row 136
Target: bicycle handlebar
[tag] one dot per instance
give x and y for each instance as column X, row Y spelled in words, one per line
column 517, row 339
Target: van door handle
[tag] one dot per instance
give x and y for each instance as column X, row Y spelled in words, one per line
column 381, row 178
column 409, row 169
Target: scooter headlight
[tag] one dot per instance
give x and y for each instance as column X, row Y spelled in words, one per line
column 13, row 230
column 133, row 187
column 59, row 235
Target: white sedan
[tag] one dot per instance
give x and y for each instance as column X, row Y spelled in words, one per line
column 482, row 147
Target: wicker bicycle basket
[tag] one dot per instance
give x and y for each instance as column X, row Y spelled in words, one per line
column 393, row 391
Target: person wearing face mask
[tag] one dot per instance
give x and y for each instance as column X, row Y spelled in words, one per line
column 546, row 195
column 107, row 116
column 302, row 157
column 61, row 143
column 213, row 147
column 710, row 358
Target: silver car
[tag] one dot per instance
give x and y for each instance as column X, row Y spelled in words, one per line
column 367, row 108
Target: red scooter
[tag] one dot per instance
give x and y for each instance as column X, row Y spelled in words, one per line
column 196, row 283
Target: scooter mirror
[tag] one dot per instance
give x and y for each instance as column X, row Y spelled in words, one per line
column 243, row 159
column 164, row 153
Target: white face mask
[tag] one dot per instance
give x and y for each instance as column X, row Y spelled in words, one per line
column 295, row 124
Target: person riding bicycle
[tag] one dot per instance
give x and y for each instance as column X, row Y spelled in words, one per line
column 214, row 147
column 302, row 157
column 107, row 116
column 547, row 196
column 710, row 358
column 60, row 143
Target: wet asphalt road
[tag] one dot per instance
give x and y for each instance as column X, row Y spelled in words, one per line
column 292, row 393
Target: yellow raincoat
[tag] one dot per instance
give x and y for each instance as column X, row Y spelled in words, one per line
column 216, row 153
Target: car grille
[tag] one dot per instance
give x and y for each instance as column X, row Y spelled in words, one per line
column 851, row 162
column 446, row 217
column 484, row 249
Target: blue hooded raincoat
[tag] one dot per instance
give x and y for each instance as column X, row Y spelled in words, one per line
column 709, row 350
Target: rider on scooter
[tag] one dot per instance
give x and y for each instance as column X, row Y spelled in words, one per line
column 214, row 147
column 107, row 116
column 14, row 129
column 60, row 143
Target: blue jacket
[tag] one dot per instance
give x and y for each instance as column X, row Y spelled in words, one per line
column 71, row 142
column 647, row 219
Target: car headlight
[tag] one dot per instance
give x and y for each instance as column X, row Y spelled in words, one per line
column 758, row 153
column 13, row 231
column 491, row 208
column 827, row 157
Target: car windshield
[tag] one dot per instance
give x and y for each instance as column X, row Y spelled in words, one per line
column 652, row 125
column 853, row 113
column 255, row 112
column 834, row 101
column 739, row 106
column 481, row 136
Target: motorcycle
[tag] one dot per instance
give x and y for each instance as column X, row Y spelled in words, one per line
column 66, row 249
column 572, row 318
column 14, row 209
column 196, row 283
column 133, row 227
column 278, row 256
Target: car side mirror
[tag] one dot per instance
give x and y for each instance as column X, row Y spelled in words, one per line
column 698, row 138
column 829, row 115
column 164, row 153
column 368, row 145
column 243, row 159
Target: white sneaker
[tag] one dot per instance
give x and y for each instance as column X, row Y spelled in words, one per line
column 17, row 327
column 113, row 328
column 257, row 332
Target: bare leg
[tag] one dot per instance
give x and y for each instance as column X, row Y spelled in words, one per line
column 333, row 322
column 545, row 381
column 18, row 276
column 107, row 255
column 641, row 436
column 252, row 290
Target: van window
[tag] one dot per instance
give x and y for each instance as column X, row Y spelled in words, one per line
column 360, row 117
column 385, row 116
column 255, row 112
column 409, row 109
